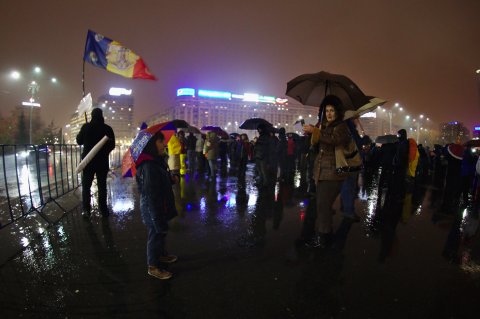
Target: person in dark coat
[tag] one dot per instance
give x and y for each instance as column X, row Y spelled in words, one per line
column 90, row 134
column 282, row 153
column 397, row 183
column 157, row 203
column 291, row 157
column 191, row 154
column 439, row 168
column 467, row 172
column 453, row 184
column 262, row 155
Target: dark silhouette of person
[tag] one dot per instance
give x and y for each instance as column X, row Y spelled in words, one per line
column 90, row 134
column 397, row 185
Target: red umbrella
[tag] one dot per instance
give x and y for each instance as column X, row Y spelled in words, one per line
column 141, row 140
column 128, row 165
column 456, row 150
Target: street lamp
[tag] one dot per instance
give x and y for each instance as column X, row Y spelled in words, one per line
column 15, row 75
column 33, row 88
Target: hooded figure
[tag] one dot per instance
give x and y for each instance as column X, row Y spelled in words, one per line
column 90, row 134
column 263, row 155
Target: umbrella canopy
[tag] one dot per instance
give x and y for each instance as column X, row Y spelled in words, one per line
column 193, row 129
column 311, row 89
column 179, row 123
column 456, row 150
column 128, row 165
column 386, row 139
column 234, row 135
column 141, row 140
column 253, row 123
column 373, row 103
column 472, row 143
column 217, row 129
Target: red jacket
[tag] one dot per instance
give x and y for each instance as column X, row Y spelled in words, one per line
column 290, row 147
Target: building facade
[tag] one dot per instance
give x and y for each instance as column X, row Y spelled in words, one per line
column 453, row 132
column 228, row 110
column 117, row 107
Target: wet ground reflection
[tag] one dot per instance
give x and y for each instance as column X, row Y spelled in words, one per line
column 241, row 255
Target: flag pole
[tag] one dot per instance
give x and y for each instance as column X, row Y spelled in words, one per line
column 83, row 87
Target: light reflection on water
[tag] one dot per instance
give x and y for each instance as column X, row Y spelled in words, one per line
column 252, row 200
column 27, row 186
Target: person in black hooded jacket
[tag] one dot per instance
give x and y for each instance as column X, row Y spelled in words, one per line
column 90, row 134
column 157, row 203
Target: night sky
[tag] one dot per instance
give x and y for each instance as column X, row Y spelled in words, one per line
column 421, row 54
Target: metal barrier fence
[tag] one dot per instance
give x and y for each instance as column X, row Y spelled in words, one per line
column 31, row 176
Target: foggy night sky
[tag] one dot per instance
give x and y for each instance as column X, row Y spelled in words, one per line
column 421, row 54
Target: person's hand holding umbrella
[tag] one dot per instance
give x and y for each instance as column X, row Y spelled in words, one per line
column 308, row 129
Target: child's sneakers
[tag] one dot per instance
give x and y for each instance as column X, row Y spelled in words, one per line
column 159, row 273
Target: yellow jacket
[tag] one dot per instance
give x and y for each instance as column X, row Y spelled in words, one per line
column 174, row 146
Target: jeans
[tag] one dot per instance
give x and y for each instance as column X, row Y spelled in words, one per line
column 348, row 194
column 212, row 163
column 261, row 166
column 191, row 157
column 155, row 246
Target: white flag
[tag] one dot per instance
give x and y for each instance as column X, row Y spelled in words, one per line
column 85, row 104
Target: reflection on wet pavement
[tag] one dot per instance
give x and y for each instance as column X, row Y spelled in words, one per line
column 241, row 256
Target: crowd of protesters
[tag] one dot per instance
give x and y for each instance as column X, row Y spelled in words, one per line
column 401, row 168
column 399, row 171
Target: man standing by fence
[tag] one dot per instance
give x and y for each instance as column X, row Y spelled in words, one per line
column 90, row 134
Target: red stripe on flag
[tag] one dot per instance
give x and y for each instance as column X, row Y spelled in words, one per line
column 140, row 71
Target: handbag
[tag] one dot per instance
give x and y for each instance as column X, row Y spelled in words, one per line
column 347, row 158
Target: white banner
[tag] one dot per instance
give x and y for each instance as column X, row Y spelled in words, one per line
column 91, row 155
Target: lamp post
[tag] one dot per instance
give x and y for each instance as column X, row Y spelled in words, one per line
column 33, row 88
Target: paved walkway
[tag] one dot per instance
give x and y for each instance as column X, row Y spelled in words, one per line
column 239, row 258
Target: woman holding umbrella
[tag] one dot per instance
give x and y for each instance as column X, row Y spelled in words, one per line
column 157, row 203
column 333, row 132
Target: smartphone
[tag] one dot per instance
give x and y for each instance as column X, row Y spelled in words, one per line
column 302, row 121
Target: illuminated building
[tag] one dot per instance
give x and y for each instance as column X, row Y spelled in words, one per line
column 228, row 110
column 476, row 131
column 371, row 125
column 117, row 107
column 454, row 132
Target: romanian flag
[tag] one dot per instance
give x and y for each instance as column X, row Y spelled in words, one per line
column 114, row 57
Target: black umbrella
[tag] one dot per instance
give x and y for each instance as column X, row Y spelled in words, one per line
column 310, row 89
column 253, row 123
column 180, row 124
column 193, row 129
column 386, row 139
column 217, row 129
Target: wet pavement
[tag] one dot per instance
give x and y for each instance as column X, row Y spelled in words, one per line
column 240, row 256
